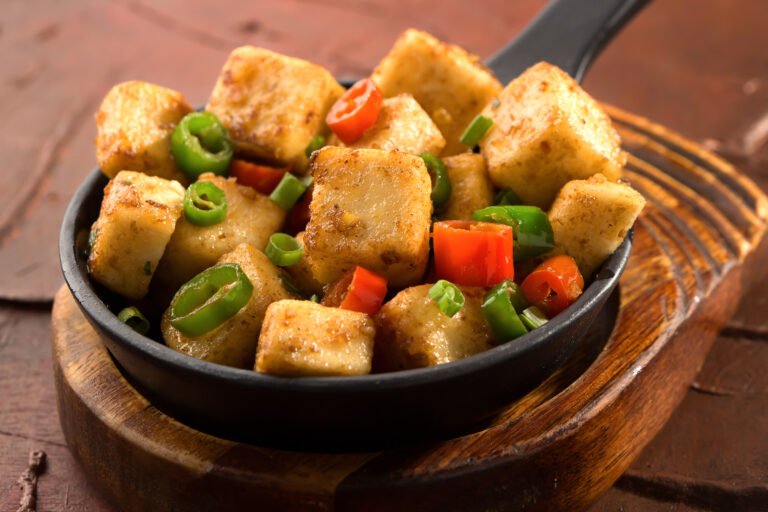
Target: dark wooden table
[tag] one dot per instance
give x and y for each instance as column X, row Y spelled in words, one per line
column 700, row 68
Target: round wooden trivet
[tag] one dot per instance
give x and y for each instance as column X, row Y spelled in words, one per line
column 557, row 448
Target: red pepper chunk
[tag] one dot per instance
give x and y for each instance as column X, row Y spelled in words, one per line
column 362, row 291
column 554, row 285
column 355, row 111
column 259, row 177
column 473, row 253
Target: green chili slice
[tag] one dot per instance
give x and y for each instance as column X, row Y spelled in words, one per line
column 533, row 318
column 283, row 250
column 317, row 142
column 441, row 185
column 506, row 196
column 132, row 317
column 209, row 299
column 288, row 191
column 447, row 296
column 501, row 315
column 200, row 144
column 205, row 204
column 476, row 130
column 533, row 232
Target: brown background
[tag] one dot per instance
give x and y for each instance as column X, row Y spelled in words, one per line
column 699, row 67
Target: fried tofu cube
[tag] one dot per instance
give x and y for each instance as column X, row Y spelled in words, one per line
column 134, row 126
column 301, row 273
column 370, row 208
column 137, row 218
column 302, row 338
column 272, row 104
column 451, row 84
column 546, row 132
column 471, row 188
column 233, row 343
column 412, row 332
column 404, row 126
column 251, row 218
column 590, row 218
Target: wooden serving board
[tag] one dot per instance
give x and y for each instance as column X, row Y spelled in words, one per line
column 557, row 448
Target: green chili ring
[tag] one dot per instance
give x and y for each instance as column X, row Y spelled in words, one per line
column 132, row 317
column 501, row 315
column 533, row 232
column 205, row 204
column 283, row 250
column 441, row 184
column 209, row 299
column 200, row 144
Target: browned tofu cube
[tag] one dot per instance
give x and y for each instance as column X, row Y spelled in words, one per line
column 451, row 84
column 251, row 218
column 412, row 332
column 272, row 104
column 134, row 127
column 301, row 338
column 471, row 188
column 546, row 132
column 233, row 343
column 370, row 208
column 590, row 218
column 137, row 219
column 402, row 125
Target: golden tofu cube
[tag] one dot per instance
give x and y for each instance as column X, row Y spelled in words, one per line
column 471, row 188
column 301, row 273
column 272, row 104
column 137, row 218
column 402, row 125
column 412, row 332
column 134, row 126
column 451, row 84
column 590, row 218
column 302, row 338
column 547, row 131
column 251, row 218
column 233, row 343
column 370, row 208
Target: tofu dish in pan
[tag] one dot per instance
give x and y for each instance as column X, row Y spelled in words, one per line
column 425, row 214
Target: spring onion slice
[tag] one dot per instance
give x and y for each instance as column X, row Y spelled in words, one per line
column 533, row 318
column 317, row 142
column 441, row 184
column 132, row 317
column 476, row 130
column 288, row 191
column 283, row 250
column 447, row 296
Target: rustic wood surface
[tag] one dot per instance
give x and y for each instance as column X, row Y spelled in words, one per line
column 697, row 67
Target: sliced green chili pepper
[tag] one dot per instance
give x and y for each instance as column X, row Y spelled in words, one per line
column 533, row 318
column 205, row 204
column 209, row 299
column 317, row 142
column 283, row 250
column 132, row 317
column 288, row 191
column 441, row 185
column 200, row 144
column 506, row 196
column 500, row 313
column 476, row 130
column 447, row 296
column 533, row 232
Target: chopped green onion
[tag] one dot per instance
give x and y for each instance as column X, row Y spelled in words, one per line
column 209, row 299
column 441, row 185
column 288, row 284
column 533, row 232
column 447, row 296
column 500, row 313
column 317, row 142
column 92, row 237
column 132, row 317
column 533, row 318
column 288, row 191
column 506, row 196
column 476, row 130
column 283, row 250
column 200, row 143
column 314, row 298
column 205, row 204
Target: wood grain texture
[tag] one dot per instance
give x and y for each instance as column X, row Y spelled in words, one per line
column 702, row 221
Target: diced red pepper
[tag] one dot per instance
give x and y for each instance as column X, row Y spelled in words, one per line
column 355, row 111
column 554, row 285
column 360, row 290
column 473, row 253
column 262, row 178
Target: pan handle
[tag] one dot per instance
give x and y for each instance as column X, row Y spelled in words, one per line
column 567, row 33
